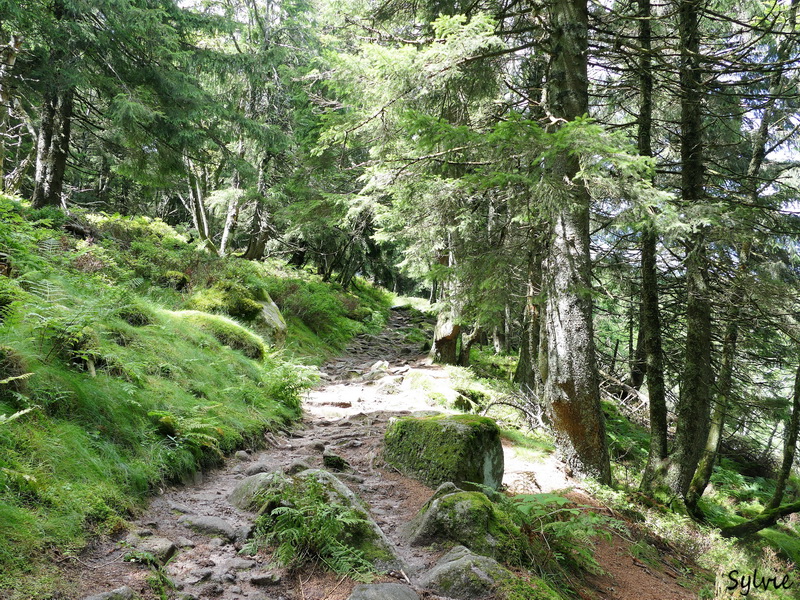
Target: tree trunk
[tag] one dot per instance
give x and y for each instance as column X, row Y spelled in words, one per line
column 751, row 191
column 231, row 219
column 527, row 373
column 261, row 226
column 789, row 446
column 694, row 403
column 8, row 56
column 52, row 148
column 718, row 412
column 467, row 341
column 571, row 385
column 445, row 340
column 650, row 316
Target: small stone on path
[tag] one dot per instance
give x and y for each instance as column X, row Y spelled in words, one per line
column 383, row 591
column 214, row 526
column 122, row 593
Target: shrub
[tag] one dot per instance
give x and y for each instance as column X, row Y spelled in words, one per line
column 13, row 375
column 174, row 279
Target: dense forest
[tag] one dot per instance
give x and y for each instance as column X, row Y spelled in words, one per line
column 604, row 193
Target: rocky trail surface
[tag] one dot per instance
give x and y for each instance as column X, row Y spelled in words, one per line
column 195, row 534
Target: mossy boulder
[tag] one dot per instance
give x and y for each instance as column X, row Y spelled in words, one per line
column 463, row 575
column 249, row 493
column 227, row 297
column 463, row 449
column 270, row 322
column 466, row 518
column 261, row 493
column 460, row 574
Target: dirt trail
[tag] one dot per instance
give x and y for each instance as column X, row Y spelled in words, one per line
column 378, row 377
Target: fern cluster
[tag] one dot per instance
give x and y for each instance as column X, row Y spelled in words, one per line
column 302, row 525
column 561, row 535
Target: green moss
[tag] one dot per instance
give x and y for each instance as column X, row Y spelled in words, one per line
column 474, row 521
column 464, row 449
column 136, row 314
column 227, row 297
column 227, row 332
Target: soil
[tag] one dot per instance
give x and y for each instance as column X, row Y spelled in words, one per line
column 377, row 379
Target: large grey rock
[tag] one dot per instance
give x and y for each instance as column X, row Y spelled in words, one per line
column 249, row 493
column 123, row 593
column 462, row 575
column 213, row 526
column 270, row 323
column 383, row 591
column 464, row 449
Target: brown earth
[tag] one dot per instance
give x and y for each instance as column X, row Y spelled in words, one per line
column 378, row 378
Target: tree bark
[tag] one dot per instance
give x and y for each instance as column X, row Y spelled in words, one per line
column 650, row 316
column 467, row 341
column 52, row 148
column 8, row 57
column 789, row 447
column 571, row 384
column 724, row 387
column 694, row 402
column 445, row 340
column 261, row 226
column 527, row 374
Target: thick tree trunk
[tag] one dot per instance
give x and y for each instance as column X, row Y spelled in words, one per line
column 52, row 148
column 8, row 57
column 445, row 340
column 571, row 385
column 261, row 226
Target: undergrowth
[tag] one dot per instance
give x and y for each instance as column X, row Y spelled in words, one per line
column 302, row 525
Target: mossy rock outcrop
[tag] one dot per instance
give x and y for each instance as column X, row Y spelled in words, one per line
column 463, row 575
column 259, row 492
column 469, row 519
column 463, row 449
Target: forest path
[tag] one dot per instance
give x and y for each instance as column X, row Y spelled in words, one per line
column 377, row 378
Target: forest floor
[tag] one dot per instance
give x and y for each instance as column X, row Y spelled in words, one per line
column 379, row 377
